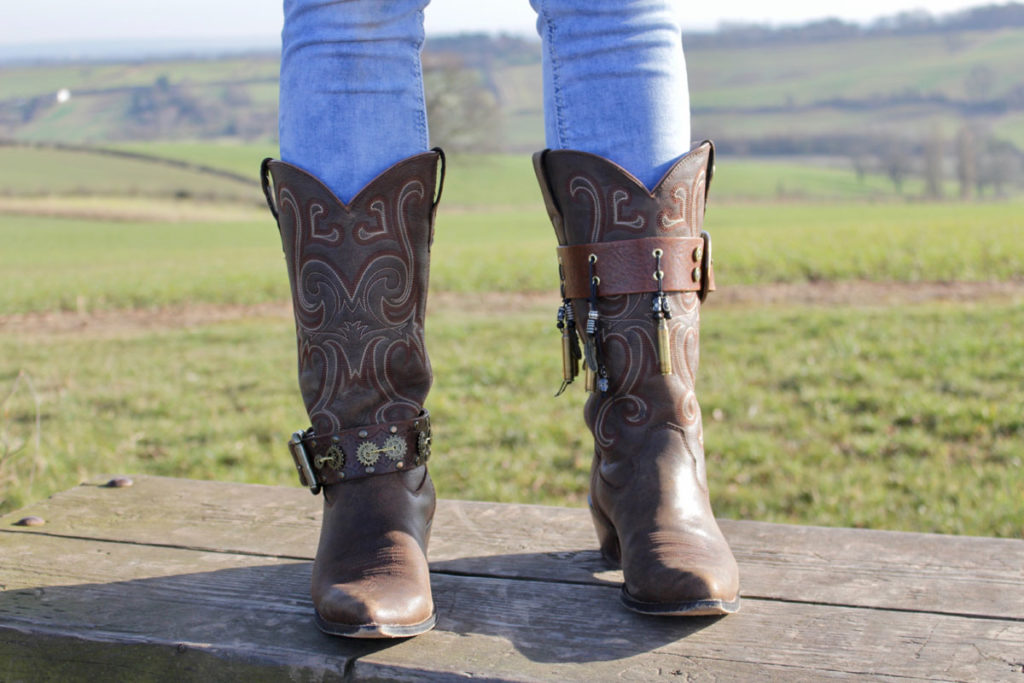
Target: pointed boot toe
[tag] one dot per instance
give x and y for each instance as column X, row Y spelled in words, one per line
column 371, row 609
column 684, row 585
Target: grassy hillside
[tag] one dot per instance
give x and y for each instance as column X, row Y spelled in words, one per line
column 857, row 70
column 869, row 86
column 35, row 171
column 178, row 170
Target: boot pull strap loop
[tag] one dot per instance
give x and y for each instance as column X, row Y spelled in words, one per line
column 705, row 267
column 710, row 172
column 442, row 168
column 554, row 213
column 440, row 180
column 265, row 183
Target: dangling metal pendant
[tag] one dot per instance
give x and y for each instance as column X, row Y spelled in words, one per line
column 662, row 312
column 589, row 378
column 570, row 344
column 569, row 368
column 664, row 347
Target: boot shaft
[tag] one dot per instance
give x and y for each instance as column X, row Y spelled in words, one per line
column 590, row 199
column 649, row 358
column 358, row 274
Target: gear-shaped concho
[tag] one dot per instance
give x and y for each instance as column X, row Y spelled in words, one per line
column 368, row 453
column 334, row 458
column 395, row 448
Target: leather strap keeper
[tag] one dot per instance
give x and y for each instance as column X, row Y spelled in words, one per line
column 360, row 452
column 628, row 266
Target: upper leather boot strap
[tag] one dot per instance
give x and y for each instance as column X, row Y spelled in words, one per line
column 632, row 266
column 360, row 452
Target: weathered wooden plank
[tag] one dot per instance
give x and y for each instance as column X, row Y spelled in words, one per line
column 40, row 656
column 946, row 574
column 244, row 610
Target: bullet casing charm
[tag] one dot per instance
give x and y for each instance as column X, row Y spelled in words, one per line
column 664, row 347
column 570, row 366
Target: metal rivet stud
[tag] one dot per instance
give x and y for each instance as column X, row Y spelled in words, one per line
column 369, row 470
column 400, row 465
column 698, row 254
column 335, row 439
column 393, row 430
column 363, row 433
column 341, row 475
column 696, row 274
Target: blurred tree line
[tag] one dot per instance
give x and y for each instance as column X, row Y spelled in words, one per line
column 484, row 90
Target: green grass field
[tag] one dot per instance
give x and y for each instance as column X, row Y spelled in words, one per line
column 896, row 416
column 28, row 171
column 891, row 418
column 103, row 264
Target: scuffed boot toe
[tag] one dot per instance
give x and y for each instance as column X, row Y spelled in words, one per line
column 690, row 594
column 681, row 581
column 357, row 610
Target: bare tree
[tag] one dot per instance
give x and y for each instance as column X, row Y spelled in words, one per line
column 998, row 166
column 933, row 149
column 464, row 115
column 896, row 160
column 966, row 162
column 978, row 83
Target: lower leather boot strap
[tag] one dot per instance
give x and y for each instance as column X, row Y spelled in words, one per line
column 360, row 452
column 631, row 267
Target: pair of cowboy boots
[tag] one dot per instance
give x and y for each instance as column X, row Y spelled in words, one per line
column 634, row 267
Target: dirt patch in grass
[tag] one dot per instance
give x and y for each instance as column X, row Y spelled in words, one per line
column 855, row 294
column 129, row 209
column 863, row 293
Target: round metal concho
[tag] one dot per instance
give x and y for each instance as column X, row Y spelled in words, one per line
column 334, row 457
column 395, row 448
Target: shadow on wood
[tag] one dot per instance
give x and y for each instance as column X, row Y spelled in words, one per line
column 173, row 579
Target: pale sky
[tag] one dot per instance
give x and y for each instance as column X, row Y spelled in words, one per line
column 47, row 21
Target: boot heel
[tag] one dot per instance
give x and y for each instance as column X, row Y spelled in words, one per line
column 606, row 537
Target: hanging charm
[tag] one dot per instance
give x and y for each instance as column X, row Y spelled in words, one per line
column 570, row 344
column 566, row 324
column 597, row 374
column 662, row 312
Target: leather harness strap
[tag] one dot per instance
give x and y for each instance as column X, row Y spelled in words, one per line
column 361, row 451
column 631, row 266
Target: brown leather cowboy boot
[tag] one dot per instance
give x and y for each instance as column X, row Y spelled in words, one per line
column 358, row 274
column 635, row 266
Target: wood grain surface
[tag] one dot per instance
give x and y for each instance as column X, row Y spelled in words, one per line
column 171, row 579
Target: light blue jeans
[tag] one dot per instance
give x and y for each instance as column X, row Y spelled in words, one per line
column 352, row 86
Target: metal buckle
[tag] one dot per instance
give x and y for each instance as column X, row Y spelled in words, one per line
column 424, row 439
column 307, row 475
column 705, row 267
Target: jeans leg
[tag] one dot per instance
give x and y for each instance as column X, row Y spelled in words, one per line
column 615, row 81
column 351, row 102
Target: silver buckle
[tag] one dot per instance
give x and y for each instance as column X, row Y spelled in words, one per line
column 307, row 475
